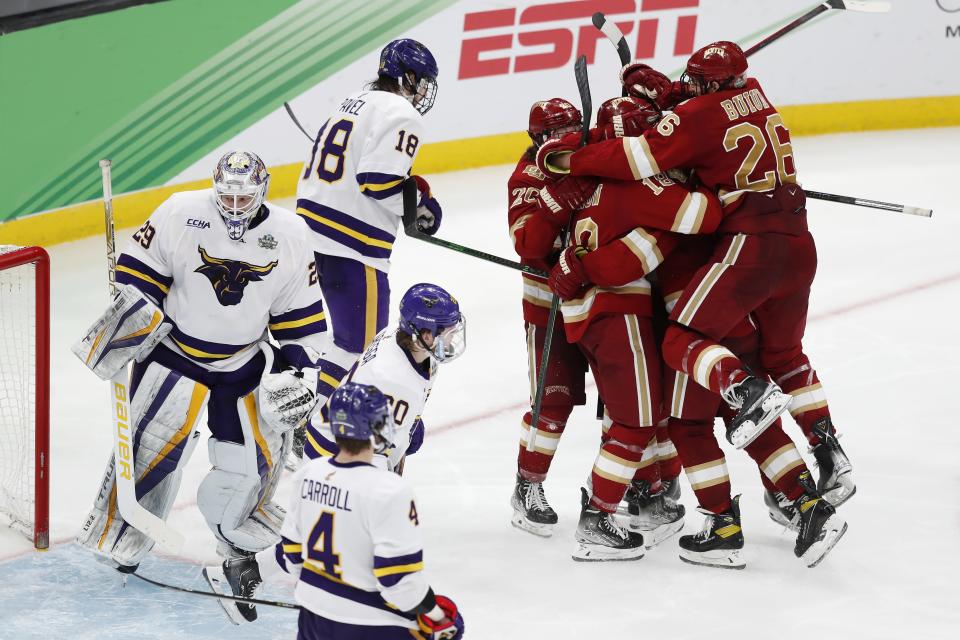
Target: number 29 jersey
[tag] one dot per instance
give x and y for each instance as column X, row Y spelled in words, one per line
column 350, row 191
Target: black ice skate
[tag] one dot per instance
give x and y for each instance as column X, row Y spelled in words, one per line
column 671, row 489
column 239, row 577
column 601, row 538
column 720, row 541
column 531, row 511
column 652, row 513
column 781, row 510
column 836, row 473
column 759, row 403
column 820, row 526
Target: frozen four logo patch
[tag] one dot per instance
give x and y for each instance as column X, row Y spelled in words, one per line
column 267, row 242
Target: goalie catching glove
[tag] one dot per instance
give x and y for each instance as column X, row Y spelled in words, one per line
column 286, row 398
column 444, row 622
column 128, row 330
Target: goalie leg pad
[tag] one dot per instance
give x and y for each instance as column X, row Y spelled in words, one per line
column 166, row 407
column 235, row 497
column 129, row 329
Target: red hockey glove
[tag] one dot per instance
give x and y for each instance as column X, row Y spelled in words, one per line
column 642, row 81
column 558, row 200
column 552, row 154
column 569, row 278
column 448, row 628
column 429, row 212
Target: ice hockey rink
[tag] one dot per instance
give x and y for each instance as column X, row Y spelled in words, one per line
column 882, row 334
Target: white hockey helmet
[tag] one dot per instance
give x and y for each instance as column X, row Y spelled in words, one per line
column 240, row 187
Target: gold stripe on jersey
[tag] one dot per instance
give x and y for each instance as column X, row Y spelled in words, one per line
column 680, row 381
column 706, row 361
column 318, row 447
column 689, row 216
column 516, row 226
column 400, row 568
column 362, row 237
column 292, row 324
column 716, row 270
column 144, row 277
column 640, row 373
column 370, row 325
column 371, row 186
column 644, row 246
column 640, row 158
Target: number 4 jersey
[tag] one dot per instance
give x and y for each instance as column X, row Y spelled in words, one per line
column 353, row 534
column 350, row 191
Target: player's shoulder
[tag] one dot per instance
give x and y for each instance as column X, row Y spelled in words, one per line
column 527, row 174
column 390, row 106
column 188, row 203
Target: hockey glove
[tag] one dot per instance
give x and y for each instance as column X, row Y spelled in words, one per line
column 450, row 627
column 558, row 200
column 642, row 81
column 128, row 330
column 429, row 212
column 287, row 398
column 416, row 437
column 553, row 156
column 569, row 278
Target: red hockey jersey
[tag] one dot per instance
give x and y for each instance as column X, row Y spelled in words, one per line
column 535, row 238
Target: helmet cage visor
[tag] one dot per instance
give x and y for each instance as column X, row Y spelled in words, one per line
column 450, row 342
column 421, row 93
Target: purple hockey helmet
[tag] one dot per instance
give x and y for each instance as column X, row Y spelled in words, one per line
column 412, row 65
column 361, row 412
column 428, row 307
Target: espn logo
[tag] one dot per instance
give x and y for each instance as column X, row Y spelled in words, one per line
column 544, row 26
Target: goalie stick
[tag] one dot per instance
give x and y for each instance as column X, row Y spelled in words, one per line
column 586, row 105
column 123, row 458
column 222, row 596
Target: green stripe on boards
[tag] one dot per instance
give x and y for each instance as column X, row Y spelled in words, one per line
column 161, row 139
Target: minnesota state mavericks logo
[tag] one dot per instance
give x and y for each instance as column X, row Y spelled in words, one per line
column 230, row 277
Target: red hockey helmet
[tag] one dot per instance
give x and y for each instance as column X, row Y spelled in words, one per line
column 629, row 116
column 722, row 62
column 552, row 118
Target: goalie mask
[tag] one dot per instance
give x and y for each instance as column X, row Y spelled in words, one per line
column 240, row 186
column 361, row 412
column 412, row 65
column 432, row 317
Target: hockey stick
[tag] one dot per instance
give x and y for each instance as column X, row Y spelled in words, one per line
column 410, row 197
column 871, row 204
column 197, row 592
column 286, row 105
column 586, row 106
column 848, row 5
column 616, row 37
column 123, row 463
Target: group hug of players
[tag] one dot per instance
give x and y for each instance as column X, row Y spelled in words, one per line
column 684, row 204
column 684, row 285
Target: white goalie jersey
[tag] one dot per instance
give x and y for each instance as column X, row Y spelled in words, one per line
column 407, row 385
column 222, row 295
column 349, row 193
column 352, row 535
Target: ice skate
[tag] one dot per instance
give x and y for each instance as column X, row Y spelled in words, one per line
column 601, row 538
column 759, row 403
column 820, row 526
column 531, row 511
column 719, row 543
column 671, row 489
column 836, row 473
column 781, row 510
column 652, row 514
column 239, row 577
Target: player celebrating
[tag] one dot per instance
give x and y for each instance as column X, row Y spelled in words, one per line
column 203, row 280
column 350, row 197
column 403, row 364
column 536, row 240
column 352, row 537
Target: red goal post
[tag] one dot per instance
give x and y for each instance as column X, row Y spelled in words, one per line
column 25, row 391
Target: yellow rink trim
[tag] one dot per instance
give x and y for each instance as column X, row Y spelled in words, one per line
column 131, row 209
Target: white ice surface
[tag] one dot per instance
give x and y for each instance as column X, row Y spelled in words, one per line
column 882, row 334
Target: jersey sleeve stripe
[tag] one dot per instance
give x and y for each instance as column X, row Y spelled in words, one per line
column 641, row 160
column 355, row 234
column 689, row 216
column 644, row 246
column 383, row 562
column 379, row 185
column 295, row 314
column 137, row 274
column 299, row 328
column 317, row 446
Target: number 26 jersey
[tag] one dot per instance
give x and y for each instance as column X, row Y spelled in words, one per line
column 350, row 190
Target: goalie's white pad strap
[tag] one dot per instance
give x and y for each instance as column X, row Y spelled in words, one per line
column 165, row 412
column 129, row 329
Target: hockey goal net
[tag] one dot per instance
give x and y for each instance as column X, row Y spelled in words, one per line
column 24, row 391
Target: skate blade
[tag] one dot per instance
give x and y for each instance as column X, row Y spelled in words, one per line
column 783, row 522
column 218, row 584
column 587, row 552
column 841, row 493
column 657, row 535
column 537, row 529
column 819, row 549
column 748, row 432
column 717, row 560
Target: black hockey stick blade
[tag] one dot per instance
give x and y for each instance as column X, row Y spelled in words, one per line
column 860, row 5
column 286, row 105
column 410, row 197
column 870, row 204
column 586, row 104
column 613, row 33
column 208, row 594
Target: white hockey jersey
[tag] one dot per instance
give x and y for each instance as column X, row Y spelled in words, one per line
column 350, row 189
column 407, row 385
column 352, row 532
column 220, row 294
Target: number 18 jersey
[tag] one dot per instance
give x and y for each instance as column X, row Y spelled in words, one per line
column 350, row 190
